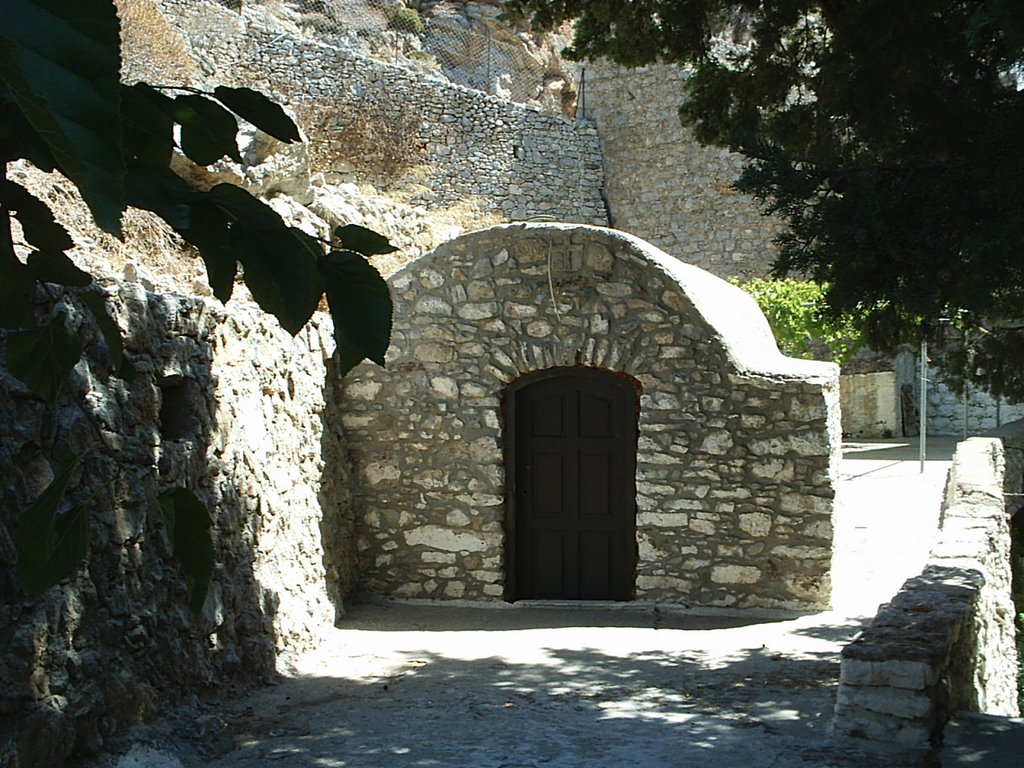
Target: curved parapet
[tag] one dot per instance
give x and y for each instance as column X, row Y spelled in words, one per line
column 734, row 442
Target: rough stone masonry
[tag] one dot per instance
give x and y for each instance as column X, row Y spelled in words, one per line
column 736, row 442
column 224, row 403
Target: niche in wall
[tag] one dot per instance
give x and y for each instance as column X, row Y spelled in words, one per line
column 177, row 418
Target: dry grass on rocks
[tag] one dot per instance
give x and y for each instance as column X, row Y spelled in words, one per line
column 148, row 240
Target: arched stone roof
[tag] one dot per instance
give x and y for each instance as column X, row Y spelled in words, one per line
column 736, row 441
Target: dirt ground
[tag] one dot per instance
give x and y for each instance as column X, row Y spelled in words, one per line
column 565, row 685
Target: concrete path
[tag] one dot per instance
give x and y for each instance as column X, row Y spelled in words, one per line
column 560, row 686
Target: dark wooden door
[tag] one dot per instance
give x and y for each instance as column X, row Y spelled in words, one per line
column 573, row 489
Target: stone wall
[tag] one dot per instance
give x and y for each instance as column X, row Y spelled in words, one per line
column 226, row 404
column 736, row 446
column 946, row 642
column 663, row 186
column 447, row 142
column 945, row 415
column 946, row 410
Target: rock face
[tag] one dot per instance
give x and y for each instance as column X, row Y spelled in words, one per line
column 224, row 403
column 474, row 48
column 736, row 442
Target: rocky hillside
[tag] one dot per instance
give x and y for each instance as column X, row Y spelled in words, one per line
column 309, row 184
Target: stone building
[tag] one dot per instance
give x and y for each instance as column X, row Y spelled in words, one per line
column 571, row 413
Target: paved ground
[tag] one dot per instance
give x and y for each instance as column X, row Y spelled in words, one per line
column 561, row 686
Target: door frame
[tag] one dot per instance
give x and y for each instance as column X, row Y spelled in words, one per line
column 508, row 406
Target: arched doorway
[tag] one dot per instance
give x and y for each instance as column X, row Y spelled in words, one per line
column 571, row 441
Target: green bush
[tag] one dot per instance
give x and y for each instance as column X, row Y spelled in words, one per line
column 797, row 313
column 408, row 20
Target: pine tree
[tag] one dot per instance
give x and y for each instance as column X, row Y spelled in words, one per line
column 889, row 137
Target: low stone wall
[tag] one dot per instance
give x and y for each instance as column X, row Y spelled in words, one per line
column 226, row 404
column 946, row 641
column 736, row 443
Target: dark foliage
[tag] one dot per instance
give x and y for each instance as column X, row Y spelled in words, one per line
column 887, row 135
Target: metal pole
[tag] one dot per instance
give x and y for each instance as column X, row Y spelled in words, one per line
column 967, row 367
column 581, row 102
column 965, row 410
column 923, row 407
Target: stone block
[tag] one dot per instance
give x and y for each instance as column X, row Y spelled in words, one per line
column 717, row 443
column 380, row 471
column 897, row 702
column 895, row 673
column 444, row 386
column 735, row 574
column 755, row 523
column 661, row 519
column 432, row 352
column 445, row 539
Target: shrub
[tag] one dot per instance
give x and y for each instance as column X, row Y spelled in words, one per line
column 797, row 313
column 408, row 20
column 377, row 140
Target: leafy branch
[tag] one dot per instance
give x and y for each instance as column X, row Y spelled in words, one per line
column 63, row 108
column 799, row 317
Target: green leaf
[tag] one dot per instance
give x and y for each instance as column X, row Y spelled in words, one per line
column 148, row 118
column 50, row 546
column 41, row 358
column 16, row 287
column 188, row 527
column 279, row 263
column 18, row 139
column 210, row 231
column 160, row 190
column 196, row 216
column 48, row 263
column 61, row 62
column 360, row 307
column 260, row 111
column 97, row 307
column 41, row 230
column 362, row 240
column 208, row 131
column 56, row 267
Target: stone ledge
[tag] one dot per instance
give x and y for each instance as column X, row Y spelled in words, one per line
column 945, row 642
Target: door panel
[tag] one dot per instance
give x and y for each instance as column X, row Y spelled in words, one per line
column 596, row 566
column 572, row 468
column 548, row 491
column 596, row 415
column 549, row 547
column 549, row 415
column 595, row 483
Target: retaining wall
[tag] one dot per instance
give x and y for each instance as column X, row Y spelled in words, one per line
column 946, row 410
column 224, row 403
column 870, row 405
column 946, row 642
column 662, row 185
column 448, row 142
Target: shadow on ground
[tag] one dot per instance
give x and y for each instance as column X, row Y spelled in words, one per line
column 569, row 693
